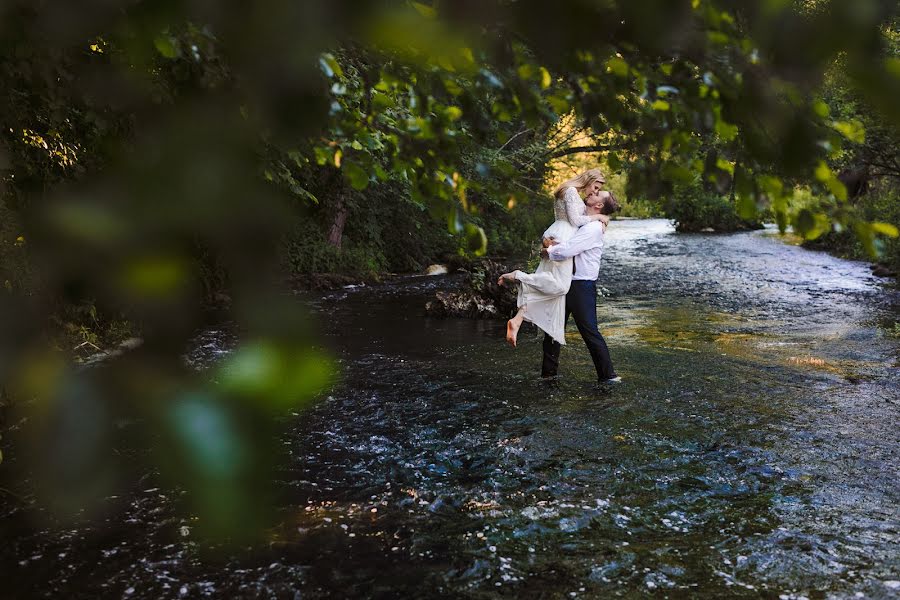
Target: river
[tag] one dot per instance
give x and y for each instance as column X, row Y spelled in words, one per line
column 751, row 451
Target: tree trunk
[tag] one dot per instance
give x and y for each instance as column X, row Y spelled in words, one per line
column 336, row 232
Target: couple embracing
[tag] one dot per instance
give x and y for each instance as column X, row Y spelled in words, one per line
column 565, row 282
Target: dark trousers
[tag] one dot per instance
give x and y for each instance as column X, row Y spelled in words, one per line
column 581, row 303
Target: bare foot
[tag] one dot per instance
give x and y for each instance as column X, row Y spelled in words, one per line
column 512, row 331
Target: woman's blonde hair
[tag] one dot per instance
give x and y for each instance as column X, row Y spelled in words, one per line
column 581, row 182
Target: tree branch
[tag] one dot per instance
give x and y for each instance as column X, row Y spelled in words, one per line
column 524, row 131
column 581, row 150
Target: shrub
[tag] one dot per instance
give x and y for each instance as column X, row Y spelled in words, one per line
column 881, row 204
column 695, row 209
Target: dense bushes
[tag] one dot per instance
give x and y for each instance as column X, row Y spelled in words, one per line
column 385, row 231
column 695, row 209
column 882, row 204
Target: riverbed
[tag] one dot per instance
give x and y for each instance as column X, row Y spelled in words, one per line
column 752, row 450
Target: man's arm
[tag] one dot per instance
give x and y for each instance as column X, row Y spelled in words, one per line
column 589, row 236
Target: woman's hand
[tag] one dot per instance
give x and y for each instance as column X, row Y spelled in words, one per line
column 506, row 278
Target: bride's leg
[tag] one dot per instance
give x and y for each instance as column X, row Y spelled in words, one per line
column 513, row 325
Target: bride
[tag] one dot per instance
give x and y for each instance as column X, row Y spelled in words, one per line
column 542, row 294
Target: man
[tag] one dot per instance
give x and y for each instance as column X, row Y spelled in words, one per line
column 586, row 246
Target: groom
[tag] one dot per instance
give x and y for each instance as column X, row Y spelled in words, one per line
column 586, row 246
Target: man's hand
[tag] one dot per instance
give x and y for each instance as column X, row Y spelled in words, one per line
column 548, row 241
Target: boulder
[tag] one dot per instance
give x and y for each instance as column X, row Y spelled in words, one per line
column 436, row 270
column 480, row 298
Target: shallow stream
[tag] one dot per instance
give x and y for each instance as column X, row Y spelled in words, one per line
column 753, row 449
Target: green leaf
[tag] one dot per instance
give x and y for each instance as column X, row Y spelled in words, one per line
column 426, row 11
column 545, row 78
column 835, row 186
column 677, row 173
column 381, row 101
column 746, row 206
column 717, row 37
column 772, row 185
column 852, row 130
column 724, row 129
column 885, row 229
column 823, row 173
column 805, row 223
column 452, row 87
column 358, row 177
column 865, row 233
column 725, row 165
column 155, row 276
column 660, row 105
column 613, row 161
column 892, row 66
column 330, row 65
column 617, row 66
column 281, row 377
column 781, row 219
column 476, row 240
column 165, row 45
column 323, row 155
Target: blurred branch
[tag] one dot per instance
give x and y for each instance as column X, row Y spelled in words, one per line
column 523, row 132
column 583, row 150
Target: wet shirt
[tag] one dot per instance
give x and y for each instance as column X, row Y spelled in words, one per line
column 586, row 246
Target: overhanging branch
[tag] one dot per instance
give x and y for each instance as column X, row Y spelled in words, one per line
column 582, row 150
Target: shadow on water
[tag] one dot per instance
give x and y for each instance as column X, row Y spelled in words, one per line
column 752, row 449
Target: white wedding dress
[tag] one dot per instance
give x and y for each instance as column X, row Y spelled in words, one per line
column 543, row 293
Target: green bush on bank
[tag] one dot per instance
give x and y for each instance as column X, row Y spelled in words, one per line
column 695, row 209
column 385, row 231
column 882, row 204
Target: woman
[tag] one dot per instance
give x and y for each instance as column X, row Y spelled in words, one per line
column 542, row 294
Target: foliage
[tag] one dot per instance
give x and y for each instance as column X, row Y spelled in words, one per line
column 157, row 151
column 881, row 205
column 695, row 209
column 384, row 232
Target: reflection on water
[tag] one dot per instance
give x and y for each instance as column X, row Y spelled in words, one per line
column 752, row 449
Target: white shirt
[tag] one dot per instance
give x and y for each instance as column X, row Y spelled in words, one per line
column 586, row 246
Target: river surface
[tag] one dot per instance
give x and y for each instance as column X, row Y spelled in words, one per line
column 753, row 449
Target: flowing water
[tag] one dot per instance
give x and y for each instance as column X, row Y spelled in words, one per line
column 752, row 450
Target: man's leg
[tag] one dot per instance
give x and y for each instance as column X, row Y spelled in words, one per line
column 583, row 304
column 550, row 364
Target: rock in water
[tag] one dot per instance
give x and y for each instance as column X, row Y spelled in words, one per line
column 880, row 270
column 436, row 270
column 461, row 304
column 482, row 298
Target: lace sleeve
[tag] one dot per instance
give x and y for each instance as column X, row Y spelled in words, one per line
column 575, row 208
